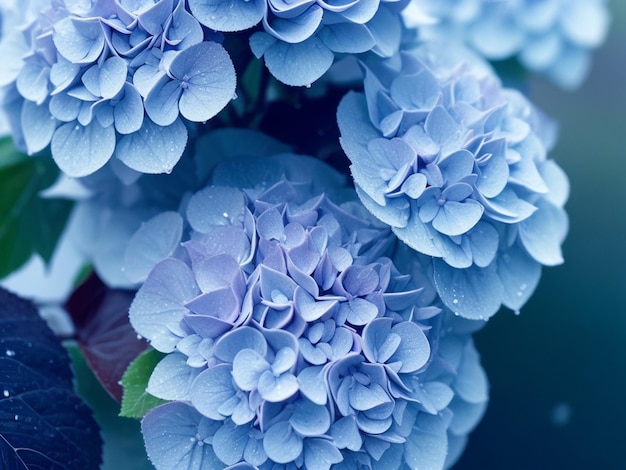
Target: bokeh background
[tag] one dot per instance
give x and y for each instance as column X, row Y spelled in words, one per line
column 558, row 370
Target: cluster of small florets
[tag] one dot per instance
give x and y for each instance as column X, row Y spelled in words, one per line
column 455, row 164
column 290, row 331
column 104, row 79
column 300, row 39
column 551, row 37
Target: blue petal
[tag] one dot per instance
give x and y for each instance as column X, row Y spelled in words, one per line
column 277, row 389
column 471, row 381
column 285, row 359
column 474, row 293
column 229, row 345
column 155, row 240
column 347, row 37
column 38, row 126
column 543, row 233
column 207, row 78
column 106, row 80
column 81, row 150
column 128, row 112
column 456, row 218
column 79, row 41
column 321, row 454
column 309, row 419
column 32, row 82
column 228, row 15
column 298, row 64
column 312, row 384
column 346, row 435
column 427, row 445
column 66, row 108
column 295, row 29
column 281, row 444
column 229, row 442
column 215, row 206
column 520, row 275
column 386, row 28
column 248, row 366
column 358, row 311
column 160, row 301
column 211, row 389
column 161, row 104
column 414, row 349
column 153, row 149
column 171, row 433
column 171, row 378
column 483, row 240
column 184, row 30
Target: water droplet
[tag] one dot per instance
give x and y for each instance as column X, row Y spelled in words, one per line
column 139, row 337
column 225, row 214
column 455, row 301
column 10, row 352
column 16, row 417
column 6, row 393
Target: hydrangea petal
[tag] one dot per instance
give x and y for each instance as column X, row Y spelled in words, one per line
column 474, row 293
column 81, row 150
column 427, row 445
column 171, row 433
column 320, row 454
column 37, row 126
column 346, row 435
column 155, row 240
column 169, row 286
column 79, row 41
column 298, row 64
column 207, row 78
column 520, row 275
column 214, row 206
column 309, row 419
column 277, row 388
column 543, row 232
column 228, row 15
column 281, row 444
column 456, row 218
column 248, row 366
column 229, row 345
column 171, row 378
column 211, row 389
column 153, row 149
column 128, row 112
column 312, row 384
column 229, row 442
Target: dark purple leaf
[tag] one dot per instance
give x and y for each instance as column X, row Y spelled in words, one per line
column 43, row 423
column 104, row 334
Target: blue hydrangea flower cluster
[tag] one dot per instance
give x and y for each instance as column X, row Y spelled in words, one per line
column 457, row 166
column 551, row 37
column 292, row 339
column 300, row 39
column 102, row 79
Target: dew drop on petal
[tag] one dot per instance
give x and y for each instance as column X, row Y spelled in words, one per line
column 5, row 393
column 10, row 353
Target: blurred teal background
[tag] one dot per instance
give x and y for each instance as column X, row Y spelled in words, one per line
column 558, row 370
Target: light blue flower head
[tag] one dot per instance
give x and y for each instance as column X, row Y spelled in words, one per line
column 551, row 37
column 457, row 166
column 289, row 331
column 97, row 80
column 300, row 38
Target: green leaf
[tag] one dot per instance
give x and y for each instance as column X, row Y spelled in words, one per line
column 28, row 223
column 136, row 402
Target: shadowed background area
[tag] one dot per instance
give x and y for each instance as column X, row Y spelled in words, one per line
column 558, row 371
